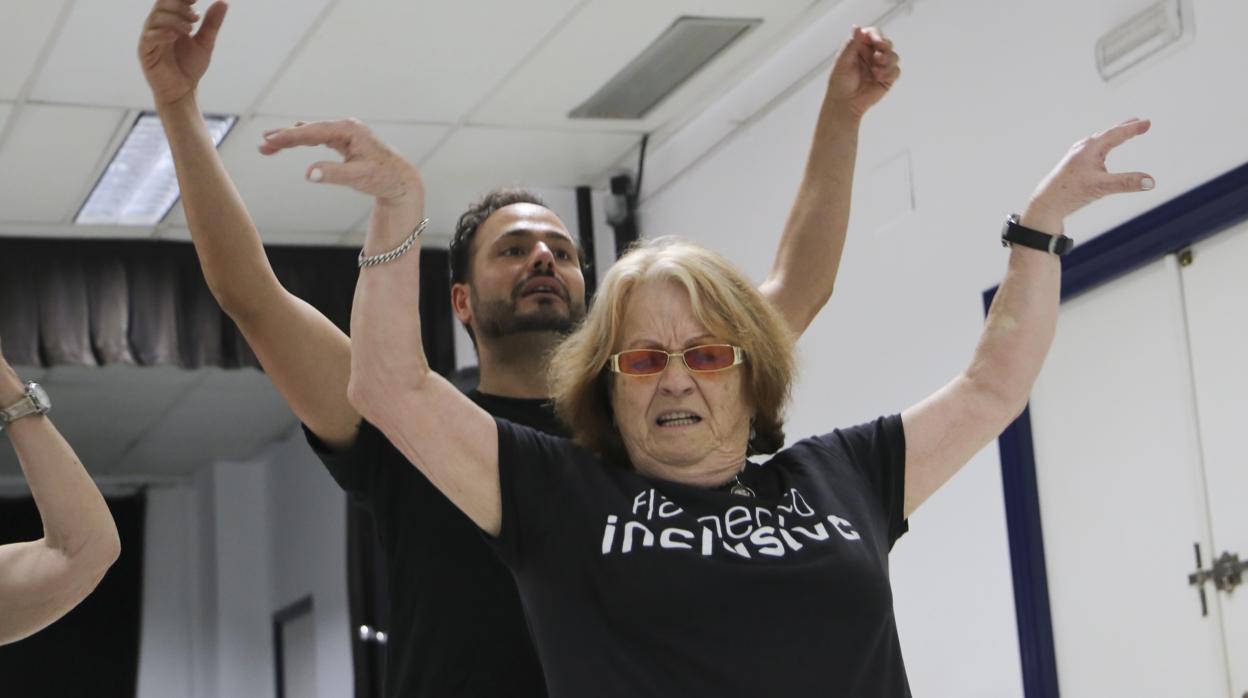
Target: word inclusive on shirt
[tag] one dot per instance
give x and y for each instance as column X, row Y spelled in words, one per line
column 740, row 530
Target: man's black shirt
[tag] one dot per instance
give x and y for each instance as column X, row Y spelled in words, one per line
column 456, row 628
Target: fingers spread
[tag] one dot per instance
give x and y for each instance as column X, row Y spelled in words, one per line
column 177, row 7
column 344, row 173
column 1123, row 182
column 152, row 38
column 161, row 19
column 1116, row 136
column 335, row 134
column 207, row 34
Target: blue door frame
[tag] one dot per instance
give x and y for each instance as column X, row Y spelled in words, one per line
column 1175, row 225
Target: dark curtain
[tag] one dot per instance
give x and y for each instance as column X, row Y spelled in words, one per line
column 86, row 302
column 92, row 302
column 93, row 650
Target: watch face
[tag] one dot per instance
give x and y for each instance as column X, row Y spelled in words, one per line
column 39, row 396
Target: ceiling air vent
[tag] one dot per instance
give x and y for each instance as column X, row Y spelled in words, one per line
column 679, row 53
column 1147, row 33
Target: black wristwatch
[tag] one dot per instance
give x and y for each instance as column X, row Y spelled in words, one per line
column 1015, row 234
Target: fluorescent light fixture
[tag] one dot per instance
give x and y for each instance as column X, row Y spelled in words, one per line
column 677, row 55
column 1156, row 27
column 139, row 186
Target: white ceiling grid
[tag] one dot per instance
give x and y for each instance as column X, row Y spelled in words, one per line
column 565, row 72
column 23, row 33
column 49, row 158
column 476, row 92
column 94, row 59
column 400, row 60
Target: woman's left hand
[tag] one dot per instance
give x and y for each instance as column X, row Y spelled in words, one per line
column 1081, row 177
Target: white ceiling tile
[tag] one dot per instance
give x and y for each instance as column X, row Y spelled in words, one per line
column 94, row 61
column 406, row 60
column 103, row 411
column 491, row 157
column 26, row 27
column 49, row 159
column 73, row 230
column 285, row 206
column 476, row 160
column 245, row 413
column 619, row 32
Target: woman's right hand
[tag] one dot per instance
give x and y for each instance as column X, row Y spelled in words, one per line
column 1081, row 177
column 173, row 58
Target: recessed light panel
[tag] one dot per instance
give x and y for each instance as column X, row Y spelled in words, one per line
column 139, row 186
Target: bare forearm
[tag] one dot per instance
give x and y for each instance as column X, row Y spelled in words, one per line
column 1021, row 322
column 227, row 242
column 76, row 521
column 804, row 272
column 387, row 350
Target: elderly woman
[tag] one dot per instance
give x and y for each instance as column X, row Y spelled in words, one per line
column 42, row 580
column 654, row 559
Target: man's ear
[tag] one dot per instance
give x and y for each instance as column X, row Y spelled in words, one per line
column 461, row 303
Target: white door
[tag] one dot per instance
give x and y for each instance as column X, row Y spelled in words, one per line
column 1216, row 289
column 1122, row 495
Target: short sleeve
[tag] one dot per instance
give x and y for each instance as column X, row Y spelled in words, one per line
column 878, row 450
column 359, row 469
column 534, row 473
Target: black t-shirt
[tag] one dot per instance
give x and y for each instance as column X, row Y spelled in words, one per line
column 636, row 586
column 456, row 628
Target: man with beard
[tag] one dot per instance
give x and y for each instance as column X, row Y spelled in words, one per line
column 456, row 627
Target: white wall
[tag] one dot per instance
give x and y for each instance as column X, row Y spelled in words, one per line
column 308, row 554
column 992, row 95
column 225, row 552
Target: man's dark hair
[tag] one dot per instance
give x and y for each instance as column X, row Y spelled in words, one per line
column 471, row 220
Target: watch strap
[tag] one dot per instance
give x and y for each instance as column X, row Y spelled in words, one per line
column 35, row 401
column 22, row 408
column 1014, row 233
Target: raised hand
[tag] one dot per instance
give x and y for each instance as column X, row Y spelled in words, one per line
column 864, row 71
column 174, row 56
column 1082, row 177
column 369, row 166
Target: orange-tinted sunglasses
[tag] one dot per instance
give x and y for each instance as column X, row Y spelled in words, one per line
column 707, row 358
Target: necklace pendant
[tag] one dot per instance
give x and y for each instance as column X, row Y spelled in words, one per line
column 741, row 490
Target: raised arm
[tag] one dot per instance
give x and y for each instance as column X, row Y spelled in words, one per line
column 451, row 440
column 804, row 271
column 945, row 430
column 304, row 354
column 40, row 581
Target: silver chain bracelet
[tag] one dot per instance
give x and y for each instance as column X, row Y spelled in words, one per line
column 396, row 252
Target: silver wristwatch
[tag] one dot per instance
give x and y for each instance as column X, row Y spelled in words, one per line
column 35, row 402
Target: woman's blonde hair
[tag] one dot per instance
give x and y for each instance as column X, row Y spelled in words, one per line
column 726, row 304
